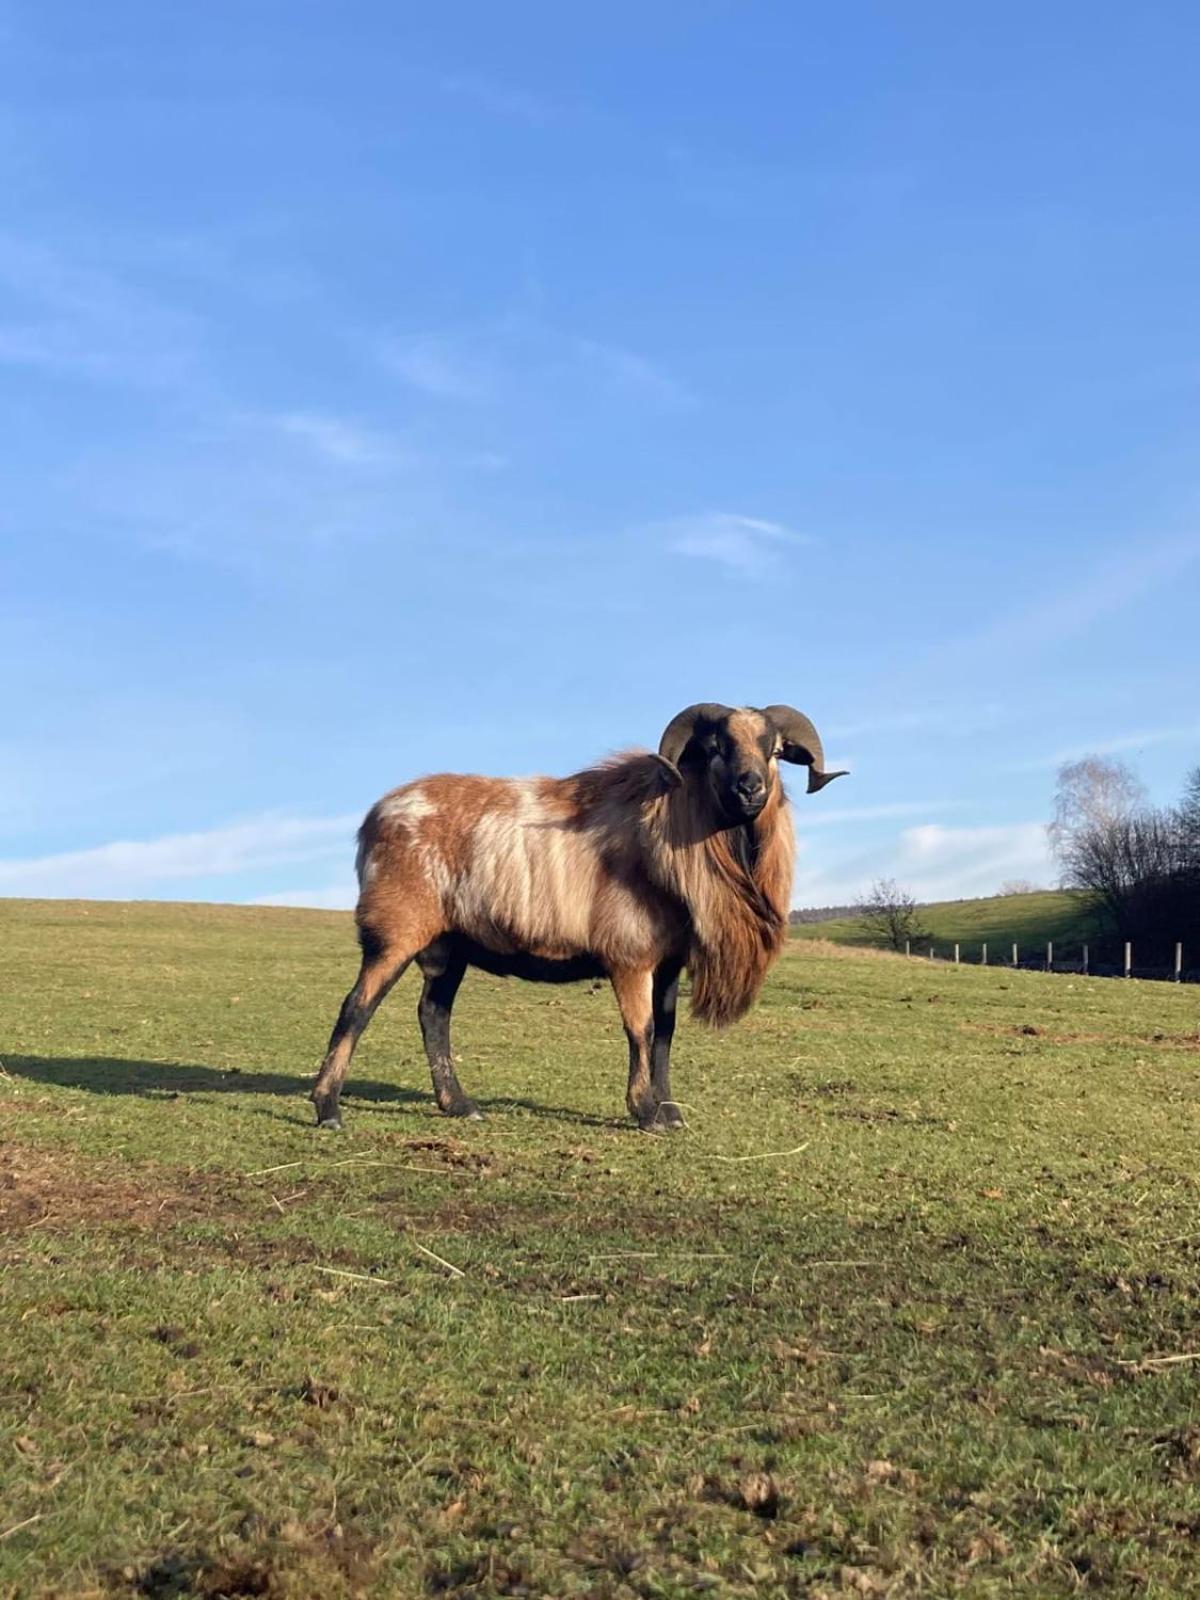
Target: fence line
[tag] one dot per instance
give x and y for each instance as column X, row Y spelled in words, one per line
column 1175, row 972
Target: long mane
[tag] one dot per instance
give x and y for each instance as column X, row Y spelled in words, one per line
column 737, row 886
column 734, row 882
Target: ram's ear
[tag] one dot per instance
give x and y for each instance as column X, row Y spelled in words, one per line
column 798, row 754
column 671, row 775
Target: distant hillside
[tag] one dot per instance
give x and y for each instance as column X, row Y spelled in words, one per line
column 1028, row 919
column 821, row 913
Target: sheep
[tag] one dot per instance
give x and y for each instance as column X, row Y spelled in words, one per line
column 632, row 870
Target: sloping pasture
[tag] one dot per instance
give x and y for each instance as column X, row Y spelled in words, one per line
column 913, row 1307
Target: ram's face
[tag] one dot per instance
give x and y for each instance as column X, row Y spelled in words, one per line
column 735, row 753
column 738, row 753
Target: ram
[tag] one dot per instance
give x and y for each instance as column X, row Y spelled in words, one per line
column 632, row 870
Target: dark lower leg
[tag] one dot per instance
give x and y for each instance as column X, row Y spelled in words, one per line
column 442, row 979
column 666, row 994
column 375, row 979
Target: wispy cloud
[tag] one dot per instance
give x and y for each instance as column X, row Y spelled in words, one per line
column 826, row 818
column 748, row 545
column 73, row 320
column 948, row 721
column 1113, row 585
column 628, row 370
column 337, row 438
column 333, row 897
column 128, row 868
column 508, row 356
column 438, row 365
column 502, row 99
column 934, row 862
column 887, row 722
column 1179, row 733
column 249, row 488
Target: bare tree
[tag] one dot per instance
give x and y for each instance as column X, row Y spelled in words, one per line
column 1141, row 870
column 1019, row 886
column 889, row 912
column 1122, row 861
column 1091, row 795
column 1189, row 821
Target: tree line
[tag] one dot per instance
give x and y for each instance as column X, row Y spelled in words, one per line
column 1138, row 864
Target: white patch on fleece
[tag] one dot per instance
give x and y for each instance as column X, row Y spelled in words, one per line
column 529, row 874
column 435, row 869
column 406, row 806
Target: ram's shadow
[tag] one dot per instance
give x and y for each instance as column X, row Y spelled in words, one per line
column 165, row 1080
column 159, row 1080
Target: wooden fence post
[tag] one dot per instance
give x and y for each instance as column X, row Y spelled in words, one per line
column 908, row 947
column 1014, row 955
column 1049, row 955
column 1178, row 963
column 955, row 955
column 983, row 958
column 931, row 952
column 1128, row 958
column 1085, row 960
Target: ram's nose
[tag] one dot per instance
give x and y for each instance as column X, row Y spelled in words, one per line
column 751, row 790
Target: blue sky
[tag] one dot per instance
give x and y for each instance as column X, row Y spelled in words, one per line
column 388, row 389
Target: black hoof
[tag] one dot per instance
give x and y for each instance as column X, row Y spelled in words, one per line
column 664, row 1118
column 649, row 1119
column 466, row 1109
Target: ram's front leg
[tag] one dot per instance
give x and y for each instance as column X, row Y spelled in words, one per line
column 666, row 994
column 634, row 989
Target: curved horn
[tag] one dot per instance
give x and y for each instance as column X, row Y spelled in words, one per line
column 681, row 728
column 801, row 744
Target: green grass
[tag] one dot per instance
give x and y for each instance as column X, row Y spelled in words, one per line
column 893, row 1317
column 1000, row 921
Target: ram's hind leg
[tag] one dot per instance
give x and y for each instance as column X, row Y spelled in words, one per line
column 443, row 965
column 634, row 989
column 382, row 964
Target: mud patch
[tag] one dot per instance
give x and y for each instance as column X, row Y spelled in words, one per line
column 823, row 1086
column 451, row 1152
column 889, row 1115
column 14, row 1106
column 57, row 1188
column 282, row 1561
column 1127, row 1041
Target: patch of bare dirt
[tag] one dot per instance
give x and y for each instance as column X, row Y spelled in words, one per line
column 888, row 1114
column 451, row 1152
column 52, row 1188
column 481, row 1575
column 12, row 1106
column 1129, row 1041
column 287, row 1560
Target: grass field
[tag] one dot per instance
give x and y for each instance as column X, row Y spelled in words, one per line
column 910, row 1308
column 1000, row 921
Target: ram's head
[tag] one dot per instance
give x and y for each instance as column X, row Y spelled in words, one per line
column 736, row 751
